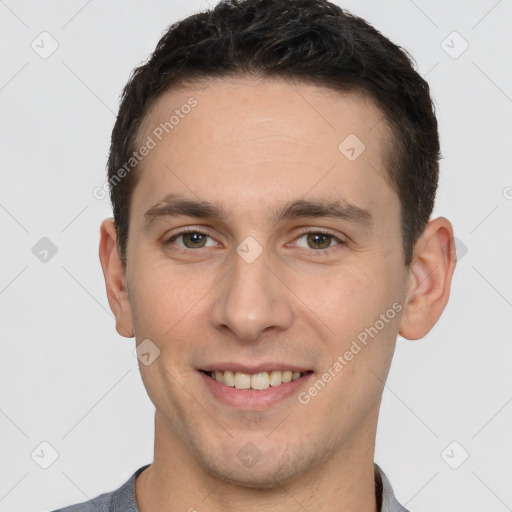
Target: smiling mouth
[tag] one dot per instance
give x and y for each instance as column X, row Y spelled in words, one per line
column 257, row 381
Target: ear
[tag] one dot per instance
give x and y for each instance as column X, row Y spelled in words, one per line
column 430, row 277
column 115, row 279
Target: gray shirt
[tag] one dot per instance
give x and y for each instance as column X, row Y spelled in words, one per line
column 123, row 499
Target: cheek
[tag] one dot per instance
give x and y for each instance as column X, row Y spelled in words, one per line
column 159, row 299
column 167, row 310
column 169, row 304
column 343, row 297
column 360, row 343
column 355, row 305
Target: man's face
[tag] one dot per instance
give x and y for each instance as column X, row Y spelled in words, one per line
column 253, row 291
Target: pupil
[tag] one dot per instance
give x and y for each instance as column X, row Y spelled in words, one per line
column 319, row 239
column 194, row 239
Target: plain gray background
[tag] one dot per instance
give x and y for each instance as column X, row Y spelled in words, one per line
column 67, row 378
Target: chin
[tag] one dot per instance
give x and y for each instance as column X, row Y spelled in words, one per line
column 255, row 478
column 252, row 468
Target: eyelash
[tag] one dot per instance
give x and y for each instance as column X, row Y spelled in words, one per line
column 206, row 232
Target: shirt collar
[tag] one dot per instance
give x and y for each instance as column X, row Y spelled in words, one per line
column 383, row 488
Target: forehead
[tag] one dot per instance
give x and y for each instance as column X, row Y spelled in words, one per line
column 255, row 140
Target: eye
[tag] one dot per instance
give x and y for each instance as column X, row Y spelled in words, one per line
column 191, row 240
column 318, row 240
column 194, row 239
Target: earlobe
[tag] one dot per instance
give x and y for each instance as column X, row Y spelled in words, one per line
column 115, row 279
column 430, row 278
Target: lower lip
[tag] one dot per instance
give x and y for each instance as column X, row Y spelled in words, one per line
column 251, row 399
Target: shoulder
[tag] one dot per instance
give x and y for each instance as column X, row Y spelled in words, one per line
column 86, row 506
column 102, row 503
column 120, row 500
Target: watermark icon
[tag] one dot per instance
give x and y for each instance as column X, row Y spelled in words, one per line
column 249, row 455
column 454, row 45
column 44, row 455
column 151, row 142
column 355, row 348
column 249, row 249
column 351, row 147
column 455, row 455
column 44, row 250
column 507, row 193
column 146, row 352
column 461, row 248
column 44, row 45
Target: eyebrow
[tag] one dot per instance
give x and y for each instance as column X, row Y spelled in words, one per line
column 174, row 205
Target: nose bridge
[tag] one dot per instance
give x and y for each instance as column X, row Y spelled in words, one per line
column 251, row 299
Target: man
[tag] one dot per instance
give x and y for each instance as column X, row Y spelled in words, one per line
column 273, row 170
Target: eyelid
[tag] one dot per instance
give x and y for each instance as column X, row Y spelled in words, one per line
column 320, row 231
column 323, row 231
column 193, row 229
column 202, row 230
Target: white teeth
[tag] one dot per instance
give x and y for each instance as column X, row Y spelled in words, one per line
column 259, row 381
column 242, row 381
column 275, row 378
column 287, row 376
column 229, row 378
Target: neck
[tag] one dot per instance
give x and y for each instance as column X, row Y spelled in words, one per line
column 175, row 481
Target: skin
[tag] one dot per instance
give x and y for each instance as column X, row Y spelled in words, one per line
column 251, row 146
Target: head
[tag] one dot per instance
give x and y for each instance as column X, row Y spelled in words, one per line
column 299, row 149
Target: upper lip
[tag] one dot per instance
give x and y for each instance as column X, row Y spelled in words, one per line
column 253, row 368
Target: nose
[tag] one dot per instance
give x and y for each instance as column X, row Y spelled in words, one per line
column 251, row 299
